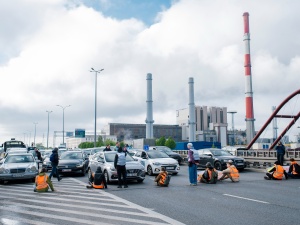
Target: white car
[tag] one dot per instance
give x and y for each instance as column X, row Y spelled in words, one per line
column 154, row 160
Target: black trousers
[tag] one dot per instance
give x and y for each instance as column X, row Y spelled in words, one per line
column 280, row 158
column 121, row 170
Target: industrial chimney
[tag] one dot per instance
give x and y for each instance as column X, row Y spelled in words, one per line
column 248, row 89
column 192, row 124
column 149, row 120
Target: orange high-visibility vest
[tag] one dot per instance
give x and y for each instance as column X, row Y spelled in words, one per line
column 293, row 165
column 163, row 177
column 41, row 182
column 234, row 173
column 278, row 173
column 101, row 186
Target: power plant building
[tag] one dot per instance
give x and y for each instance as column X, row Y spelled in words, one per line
column 211, row 123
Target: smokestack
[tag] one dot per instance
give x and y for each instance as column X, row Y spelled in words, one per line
column 248, row 94
column 192, row 124
column 149, row 120
column 274, row 124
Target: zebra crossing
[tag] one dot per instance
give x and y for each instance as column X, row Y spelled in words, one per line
column 71, row 203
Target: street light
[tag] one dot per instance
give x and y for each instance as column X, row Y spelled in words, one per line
column 48, row 128
column 35, row 123
column 96, row 73
column 232, row 116
column 63, row 108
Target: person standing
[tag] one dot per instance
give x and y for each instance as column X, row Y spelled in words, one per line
column 193, row 160
column 43, row 182
column 231, row 172
column 294, row 170
column 39, row 156
column 120, row 165
column 107, row 148
column 280, row 149
column 276, row 173
column 54, row 163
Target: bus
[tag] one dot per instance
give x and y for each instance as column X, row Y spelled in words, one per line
column 13, row 144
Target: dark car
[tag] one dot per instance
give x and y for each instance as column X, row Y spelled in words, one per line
column 169, row 152
column 73, row 162
column 219, row 158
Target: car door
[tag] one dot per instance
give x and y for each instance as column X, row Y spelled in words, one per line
column 205, row 157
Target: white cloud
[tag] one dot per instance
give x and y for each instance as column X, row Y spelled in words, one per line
column 49, row 52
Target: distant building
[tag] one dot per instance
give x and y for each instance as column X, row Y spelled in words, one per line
column 211, row 123
column 125, row 131
column 73, row 142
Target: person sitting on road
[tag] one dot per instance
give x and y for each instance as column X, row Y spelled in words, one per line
column 294, row 170
column 97, row 180
column 43, row 182
column 231, row 172
column 210, row 175
column 163, row 179
column 276, row 173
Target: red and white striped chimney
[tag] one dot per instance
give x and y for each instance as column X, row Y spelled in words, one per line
column 248, row 89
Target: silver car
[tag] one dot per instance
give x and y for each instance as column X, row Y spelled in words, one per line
column 135, row 170
column 18, row 166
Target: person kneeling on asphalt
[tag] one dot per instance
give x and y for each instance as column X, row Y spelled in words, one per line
column 210, row 175
column 231, row 172
column 97, row 180
column 43, row 182
column 163, row 179
column 276, row 173
column 294, row 170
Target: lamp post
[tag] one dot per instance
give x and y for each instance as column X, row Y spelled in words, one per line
column 95, row 126
column 63, row 108
column 35, row 123
column 48, row 127
column 232, row 117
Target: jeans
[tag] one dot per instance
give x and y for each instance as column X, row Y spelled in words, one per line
column 293, row 176
column 193, row 173
column 54, row 171
column 121, row 170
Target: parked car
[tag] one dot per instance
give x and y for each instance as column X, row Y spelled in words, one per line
column 135, row 171
column 16, row 166
column 154, row 160
column 169, row 152
column 46, row 163
column 219, row 158
column 46, row 153
column 73, row 162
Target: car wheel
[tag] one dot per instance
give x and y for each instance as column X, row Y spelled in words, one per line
column 83, row 171
column 240, row 169
column 218, row 166
column 175, row 173
column 106, row 177
column 33, row 179
column 149, row 170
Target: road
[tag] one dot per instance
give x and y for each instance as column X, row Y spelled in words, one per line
column 253, row 200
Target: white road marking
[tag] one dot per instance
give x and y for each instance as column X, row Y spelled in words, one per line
column 6, row 221
column 249, row 199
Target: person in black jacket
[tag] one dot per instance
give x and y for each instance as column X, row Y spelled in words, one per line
column 294, row 170
column 120, row 165
column 97, row 180
column 39, row 156
column 280, row 149
column 107, row 148
column 54, row 163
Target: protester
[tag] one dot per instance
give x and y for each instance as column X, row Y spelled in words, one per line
column 280, row 149
column 43, row 182
column 120, row 165
column 231, row 172
column 210, row 175
column 39, row 156
column 294, row 169
column 193, row 160
column 276, row 173
column 163, row 179
column 107, row 148
column 54, row 159
column 97, row 180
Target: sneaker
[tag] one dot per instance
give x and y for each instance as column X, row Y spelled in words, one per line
column 194, row 184
column 125, row 186
column 267, row 178
column 60, row 179
column 119, row 186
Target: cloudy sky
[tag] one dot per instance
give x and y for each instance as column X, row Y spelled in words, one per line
column 47, row 48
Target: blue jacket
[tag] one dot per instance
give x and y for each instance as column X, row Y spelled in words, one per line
column 280, row 149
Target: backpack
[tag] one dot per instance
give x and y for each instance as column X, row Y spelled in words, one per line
column 52, row 157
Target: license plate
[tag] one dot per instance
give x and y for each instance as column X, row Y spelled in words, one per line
column 169, row 167
column 66, row 170
column 18, row 175
column 131, row 174
column 240, row 164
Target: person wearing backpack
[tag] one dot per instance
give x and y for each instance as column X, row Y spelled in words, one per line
column 54, row 163
column 163, row 178
column 43, row 182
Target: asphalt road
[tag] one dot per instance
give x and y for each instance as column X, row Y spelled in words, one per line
column 253, row 200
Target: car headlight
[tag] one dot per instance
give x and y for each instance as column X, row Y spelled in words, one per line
column 112, row 168
column 3, row 170
column 32, row 169
column 156, row 163
column 79, row 165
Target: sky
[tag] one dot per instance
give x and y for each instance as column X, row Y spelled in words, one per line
column 48, row 47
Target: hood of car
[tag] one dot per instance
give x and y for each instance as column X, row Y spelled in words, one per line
column 229, row 157
column 18, row 165
column 165, row 160
column 70, row 161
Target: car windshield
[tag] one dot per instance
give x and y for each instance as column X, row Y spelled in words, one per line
column 220, row 153
column 60, row 151
column 87, row 151
column 46, row 153
column 157, row 154
column 71, row 155
column 110, row 157
column 19, row 159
